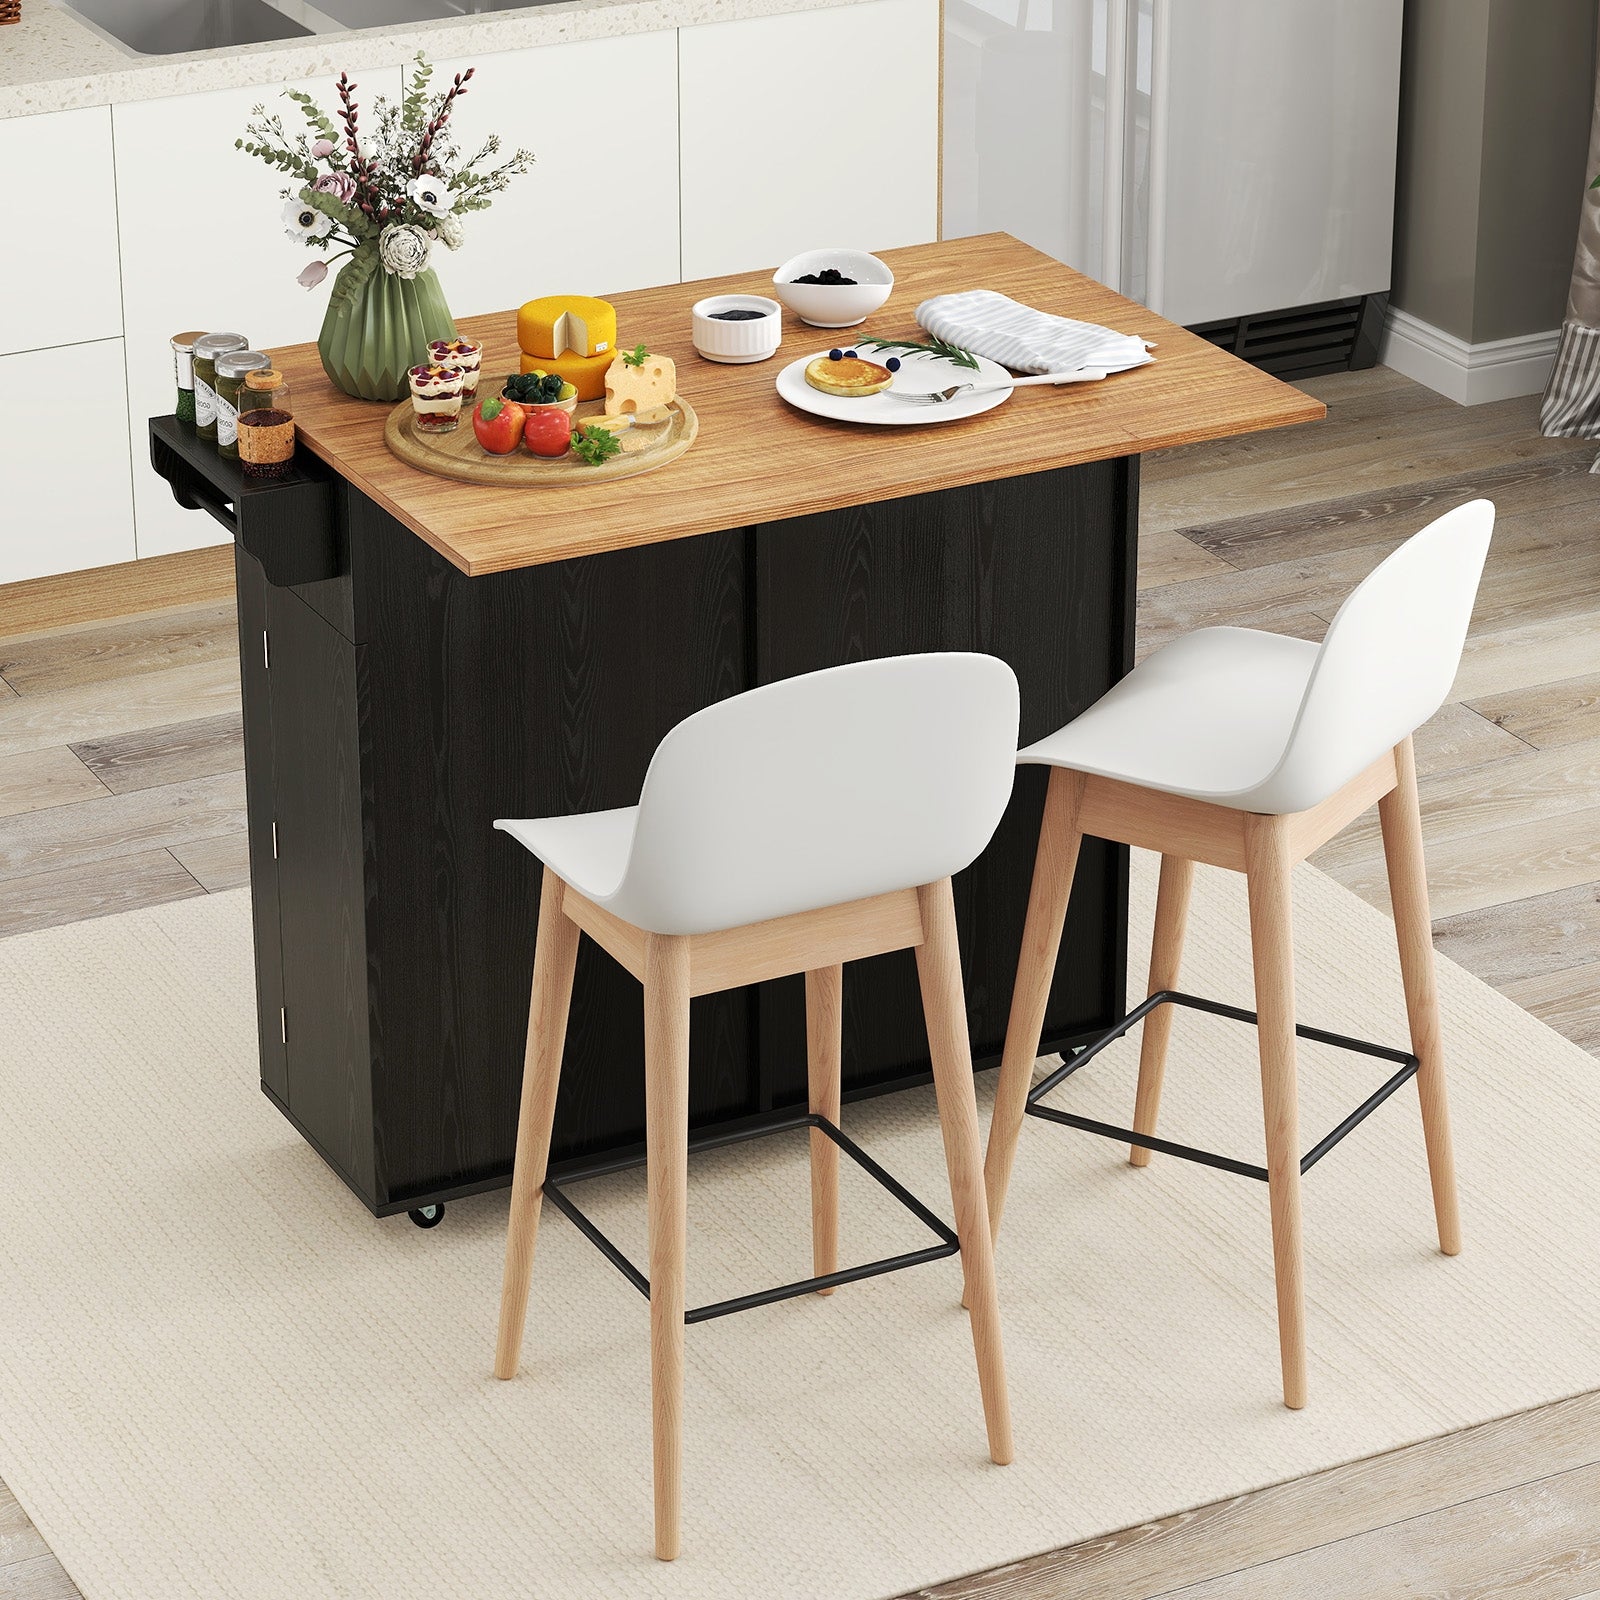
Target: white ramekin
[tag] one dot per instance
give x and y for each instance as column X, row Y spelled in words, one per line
column 737, row 342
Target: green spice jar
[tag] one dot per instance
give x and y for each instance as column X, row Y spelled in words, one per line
column 231, row 369
column 183, row 371
column 205, row 351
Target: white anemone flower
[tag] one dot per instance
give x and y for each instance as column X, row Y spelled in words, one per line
column 430, row 194
column 305, row 223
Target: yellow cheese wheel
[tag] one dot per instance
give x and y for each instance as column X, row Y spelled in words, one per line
column 560, row 324
column 586, row 373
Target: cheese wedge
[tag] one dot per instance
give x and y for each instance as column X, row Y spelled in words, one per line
column 567, row 324
column 645, row 388
column 586, row 373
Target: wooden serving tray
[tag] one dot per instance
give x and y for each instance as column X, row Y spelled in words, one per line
column 645, row 446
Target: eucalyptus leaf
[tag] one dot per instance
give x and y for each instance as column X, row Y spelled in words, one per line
column 353, row 277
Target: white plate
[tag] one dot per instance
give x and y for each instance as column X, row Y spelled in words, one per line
column 918, row 374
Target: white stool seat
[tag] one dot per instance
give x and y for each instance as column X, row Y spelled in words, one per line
column 1208, row 716
column 1260, row 723
column 589, row 851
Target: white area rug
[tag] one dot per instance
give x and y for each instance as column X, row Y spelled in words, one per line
column 220, row 1377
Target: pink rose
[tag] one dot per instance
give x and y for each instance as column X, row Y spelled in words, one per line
column 323, row 148
column 313, row 275
column 337, row 183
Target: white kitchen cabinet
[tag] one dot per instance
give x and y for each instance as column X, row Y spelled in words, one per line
column 774, row 158
column 598, row 213
column 58, row 259
column 66, row 490
column 203, row 247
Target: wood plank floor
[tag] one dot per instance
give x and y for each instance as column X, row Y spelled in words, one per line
column 120, row 786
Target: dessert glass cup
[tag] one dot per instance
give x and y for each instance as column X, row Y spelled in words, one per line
column 461, row 355
column 436, row 397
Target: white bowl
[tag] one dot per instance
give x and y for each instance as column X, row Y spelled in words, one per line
column 752, row 339
column 834, row 305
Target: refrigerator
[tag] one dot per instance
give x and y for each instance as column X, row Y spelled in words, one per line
column 1229, row 163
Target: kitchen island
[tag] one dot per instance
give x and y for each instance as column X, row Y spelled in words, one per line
column 420, row 657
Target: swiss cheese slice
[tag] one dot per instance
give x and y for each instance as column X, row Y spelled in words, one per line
column 643, row 389
column 586, row 373
column 560, row 324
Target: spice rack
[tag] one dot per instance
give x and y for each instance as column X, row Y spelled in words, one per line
column 287, row 523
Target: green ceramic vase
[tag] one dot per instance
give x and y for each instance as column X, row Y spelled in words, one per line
column 379, row 324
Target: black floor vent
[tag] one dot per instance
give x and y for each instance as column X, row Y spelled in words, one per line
column 1335, row 336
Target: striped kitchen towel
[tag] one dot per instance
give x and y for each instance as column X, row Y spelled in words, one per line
column 1017, row 336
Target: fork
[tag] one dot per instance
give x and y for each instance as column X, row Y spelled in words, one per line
column 938, row 397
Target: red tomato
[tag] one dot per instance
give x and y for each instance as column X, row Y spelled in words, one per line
column 548, row 431
column 498, row 425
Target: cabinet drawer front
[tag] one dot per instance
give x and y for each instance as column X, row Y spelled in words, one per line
column 59, row 263
column 599, row 210
column 66, row 492
column 792, row 179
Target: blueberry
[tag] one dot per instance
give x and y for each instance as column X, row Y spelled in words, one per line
column 893, row 363
column 849, row 355
column 836, row 355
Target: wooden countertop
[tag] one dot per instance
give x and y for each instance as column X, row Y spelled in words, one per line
column 759, row 460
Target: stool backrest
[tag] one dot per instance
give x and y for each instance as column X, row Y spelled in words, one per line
column 1389, row 657
column 822, row 789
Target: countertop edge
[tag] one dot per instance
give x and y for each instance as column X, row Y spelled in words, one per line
column 42, row 68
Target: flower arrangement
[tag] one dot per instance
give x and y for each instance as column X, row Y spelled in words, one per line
column 385, row 192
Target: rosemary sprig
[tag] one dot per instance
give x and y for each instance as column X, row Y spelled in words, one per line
column 941, row 349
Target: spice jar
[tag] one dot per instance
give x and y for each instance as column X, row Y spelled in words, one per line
column 264, row 390
column 266, row 432
column 231, row 371
column 205, row 351
column 183, row 370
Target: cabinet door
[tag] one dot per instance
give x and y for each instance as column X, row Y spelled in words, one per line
column 765, row 175
column 316, row 779
column 65, row 492
column 255, row 692
column 599, row 211
column 963, row 569
column 203, row 246
column 58, row 261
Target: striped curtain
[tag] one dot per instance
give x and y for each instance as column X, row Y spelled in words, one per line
column 1571, row 405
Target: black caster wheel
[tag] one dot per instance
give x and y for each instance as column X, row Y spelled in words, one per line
column 428, row 1216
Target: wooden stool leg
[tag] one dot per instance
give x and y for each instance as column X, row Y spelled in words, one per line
column 1054, row 865
column 1166, row 950
column 666, row 1077
column 555, row 955
column 824, row 1043
column 945, row 1012
column 1272, row 945
column 1401, row 818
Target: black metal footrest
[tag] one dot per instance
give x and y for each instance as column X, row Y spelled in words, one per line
column 948, row 1244
column 1408, row 1069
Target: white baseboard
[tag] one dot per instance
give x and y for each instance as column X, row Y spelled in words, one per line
column 1469, row 374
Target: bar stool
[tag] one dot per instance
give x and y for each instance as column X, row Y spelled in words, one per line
column 790, row 829
column 1249, row 750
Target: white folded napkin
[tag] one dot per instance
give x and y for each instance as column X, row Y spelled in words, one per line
column 1017, row 336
